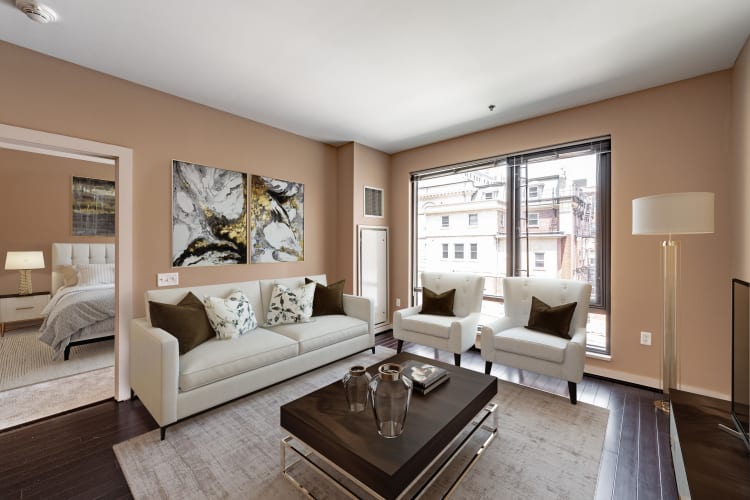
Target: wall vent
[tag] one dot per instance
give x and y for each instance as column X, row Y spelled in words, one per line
column 373, row 202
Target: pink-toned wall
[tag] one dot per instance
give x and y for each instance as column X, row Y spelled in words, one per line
column 35, row 208
column 740, row 209
column 78, row 102
column 667, row 139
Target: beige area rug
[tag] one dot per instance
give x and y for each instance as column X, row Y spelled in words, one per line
column 26, row 404
column 545, row 448
column 24, row 360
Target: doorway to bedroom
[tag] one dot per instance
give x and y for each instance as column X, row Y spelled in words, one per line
column 39, row 186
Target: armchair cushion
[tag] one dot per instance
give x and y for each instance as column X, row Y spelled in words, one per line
column 440, row 304
column 533, row 344
column 554, row 320
column 429, row 324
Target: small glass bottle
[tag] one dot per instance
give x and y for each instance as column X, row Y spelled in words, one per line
column 356, row 382
column 390, row 393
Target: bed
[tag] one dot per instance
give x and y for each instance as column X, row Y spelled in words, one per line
column 82, row 307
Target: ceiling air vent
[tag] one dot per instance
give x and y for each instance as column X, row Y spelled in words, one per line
column 373, row 202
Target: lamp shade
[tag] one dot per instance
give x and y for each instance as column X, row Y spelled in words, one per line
column 24, row 260
column 674, row 213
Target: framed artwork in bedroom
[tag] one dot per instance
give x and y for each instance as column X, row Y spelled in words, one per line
column 209, row 215
column 93, row 207
column 278, row 223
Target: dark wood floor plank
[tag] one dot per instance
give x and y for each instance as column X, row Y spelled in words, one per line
column 649, row 472
column 70, row 456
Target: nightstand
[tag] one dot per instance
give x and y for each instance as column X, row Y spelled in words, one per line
column 16, row 307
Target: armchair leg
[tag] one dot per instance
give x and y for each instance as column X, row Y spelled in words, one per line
column 572, row 389
column 457, row 359
column 163, row 432
column 400, row 346
column 487, row 367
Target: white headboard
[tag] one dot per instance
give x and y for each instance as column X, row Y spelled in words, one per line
column 68, row 254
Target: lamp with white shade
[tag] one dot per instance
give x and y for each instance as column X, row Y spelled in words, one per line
column 670, row 214
column 24, row 262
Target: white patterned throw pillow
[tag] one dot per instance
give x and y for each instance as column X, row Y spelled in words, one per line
column 290, row 305
column 232, row 316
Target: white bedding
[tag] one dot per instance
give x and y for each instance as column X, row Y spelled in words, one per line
column 75, row 312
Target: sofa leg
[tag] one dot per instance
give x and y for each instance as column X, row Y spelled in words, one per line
column 487, row 367
column 457, row 359
column 400, row 346
column 163, row 431
column 572, row 388
column 373, row 349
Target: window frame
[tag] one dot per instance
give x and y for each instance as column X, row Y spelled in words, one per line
column 473, row 251
column 445, row 221
column 476, row 220
column 456, row 247
column 445, row 251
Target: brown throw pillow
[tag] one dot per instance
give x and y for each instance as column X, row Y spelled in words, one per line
column 440, row 304
column 185, row 320
column 553, row 320
column 328, row 299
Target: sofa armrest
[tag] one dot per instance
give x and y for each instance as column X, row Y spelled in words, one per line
column 406, row 312
column 497, row 325
column 154, row 370
column 360, row 308
column 464, row 332
column 575, row 356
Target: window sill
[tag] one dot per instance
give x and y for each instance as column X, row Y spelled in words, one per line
column 596, row 355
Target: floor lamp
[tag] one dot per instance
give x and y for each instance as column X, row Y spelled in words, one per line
column 670, row 214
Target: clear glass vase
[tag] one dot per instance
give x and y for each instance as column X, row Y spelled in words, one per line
column 390, row 393
column 356, row 383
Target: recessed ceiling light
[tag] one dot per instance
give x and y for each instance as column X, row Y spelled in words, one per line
column 36, row 11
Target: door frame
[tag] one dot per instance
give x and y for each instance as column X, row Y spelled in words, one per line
column 388, row 322
column 24, row 139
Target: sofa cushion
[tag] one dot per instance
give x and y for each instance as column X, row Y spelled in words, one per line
column 290, row 305
column 440, row 304
column 429, row 324
column 218, row 359
column 185, row 320
column 328, row 299
column 232, row 316
column 520, row 340
column 322, row 331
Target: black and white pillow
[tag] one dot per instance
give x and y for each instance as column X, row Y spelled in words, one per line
column 290, row 305
column 232, row 316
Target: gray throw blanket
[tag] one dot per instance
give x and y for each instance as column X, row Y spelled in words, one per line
column 74, row 313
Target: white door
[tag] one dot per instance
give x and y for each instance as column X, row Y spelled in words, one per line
column 373, row 270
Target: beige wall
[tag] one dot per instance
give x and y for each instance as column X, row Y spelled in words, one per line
column 740, row 208
column 35, row 208
column 667, row 139
column 71, row 100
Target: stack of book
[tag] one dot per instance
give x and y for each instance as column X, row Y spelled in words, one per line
column 425, row 378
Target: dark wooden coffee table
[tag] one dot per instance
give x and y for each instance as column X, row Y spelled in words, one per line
column 390, row 468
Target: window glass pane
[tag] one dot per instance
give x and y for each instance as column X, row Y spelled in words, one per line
column 473, row 219
column 458, row 250
column 445, row 250
column 445, row 221
column 539, row 260
column 473, row 250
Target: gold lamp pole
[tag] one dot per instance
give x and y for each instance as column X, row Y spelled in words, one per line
column 672, row 213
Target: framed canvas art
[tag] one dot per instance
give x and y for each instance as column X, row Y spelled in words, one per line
column 277, row 215
column 209, row 215
column 93, row 207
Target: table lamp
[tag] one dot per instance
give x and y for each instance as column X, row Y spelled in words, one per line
column 24, row 262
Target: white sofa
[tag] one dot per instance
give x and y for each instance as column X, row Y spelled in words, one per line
column 506, row 340
column 173, row 386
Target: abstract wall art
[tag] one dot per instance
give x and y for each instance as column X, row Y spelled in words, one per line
column 277, row 215
column 93, row 207
column 209, row 215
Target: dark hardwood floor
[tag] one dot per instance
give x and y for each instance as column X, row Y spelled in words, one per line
column 70, row 456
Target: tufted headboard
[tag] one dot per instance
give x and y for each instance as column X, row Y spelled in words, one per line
column 68, row 254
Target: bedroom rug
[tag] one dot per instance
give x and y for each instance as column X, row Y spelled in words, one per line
column 26, row 404
column 545, row 448
column 24, row 360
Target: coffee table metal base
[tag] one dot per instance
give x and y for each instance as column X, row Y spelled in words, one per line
column 489, row 410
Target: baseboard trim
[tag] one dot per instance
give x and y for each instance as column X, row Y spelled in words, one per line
column 648, row 383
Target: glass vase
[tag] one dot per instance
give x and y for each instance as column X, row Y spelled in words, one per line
column 356, row 383
column 390, row 393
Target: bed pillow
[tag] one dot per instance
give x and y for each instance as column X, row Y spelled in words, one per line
column 95, row 274
column 328, row 299
column 185, row 320
column 553, row 320
column 290, row 305
column 440, row 304
column 69, row 275
column 232, row 316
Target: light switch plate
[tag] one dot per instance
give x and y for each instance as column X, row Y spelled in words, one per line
column 167, row 279
column 645, row 338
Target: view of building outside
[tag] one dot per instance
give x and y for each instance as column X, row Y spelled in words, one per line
column 462, row 226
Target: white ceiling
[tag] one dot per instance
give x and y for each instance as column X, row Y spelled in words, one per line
column 390, row 74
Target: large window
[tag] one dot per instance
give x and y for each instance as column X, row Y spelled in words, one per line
column 552, row 213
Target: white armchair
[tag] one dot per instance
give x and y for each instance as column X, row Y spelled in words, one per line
column 508, row 342
column 455, row 334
